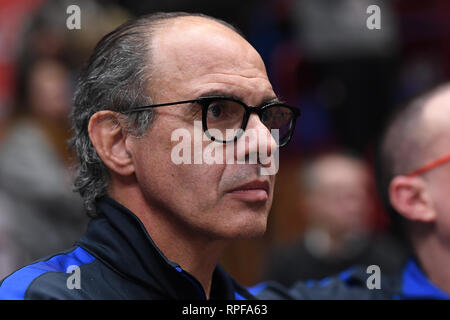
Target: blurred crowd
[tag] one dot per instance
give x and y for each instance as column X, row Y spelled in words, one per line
column 320, row 57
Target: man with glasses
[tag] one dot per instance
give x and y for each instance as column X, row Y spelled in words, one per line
column 158, row 227
column 413, row 178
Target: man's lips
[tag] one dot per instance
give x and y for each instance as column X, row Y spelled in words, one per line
column 253, row 191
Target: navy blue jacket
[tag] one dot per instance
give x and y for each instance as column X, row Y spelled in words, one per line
column 409, row 283
column 116, row 259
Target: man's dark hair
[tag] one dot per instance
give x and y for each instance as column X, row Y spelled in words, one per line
column 400, row 149
column 115, row 78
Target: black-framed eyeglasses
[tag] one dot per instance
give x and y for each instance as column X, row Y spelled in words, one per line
column 222, row 115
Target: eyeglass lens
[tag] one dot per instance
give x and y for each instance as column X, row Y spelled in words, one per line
column 223, row 115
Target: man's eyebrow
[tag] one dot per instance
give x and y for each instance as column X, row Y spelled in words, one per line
column 213, row 93
column 271, row 100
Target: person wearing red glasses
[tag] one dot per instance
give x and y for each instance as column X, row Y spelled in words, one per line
column 413, row 174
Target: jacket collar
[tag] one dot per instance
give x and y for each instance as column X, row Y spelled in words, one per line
column 118, row 238
column 415, row 284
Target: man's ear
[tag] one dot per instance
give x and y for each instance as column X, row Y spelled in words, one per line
column 410, row 197
column 110, row 141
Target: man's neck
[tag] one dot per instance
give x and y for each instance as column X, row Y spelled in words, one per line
column 196, row 254
column 433, row 255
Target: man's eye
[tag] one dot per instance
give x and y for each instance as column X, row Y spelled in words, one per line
column 215, row 111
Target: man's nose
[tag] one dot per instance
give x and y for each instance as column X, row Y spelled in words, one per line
column 256, row 142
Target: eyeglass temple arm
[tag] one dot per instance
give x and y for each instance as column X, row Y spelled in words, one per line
column 429, row 166
column 158, row 105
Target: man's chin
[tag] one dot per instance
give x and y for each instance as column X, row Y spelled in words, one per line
column 253, row 234
column 248, row 230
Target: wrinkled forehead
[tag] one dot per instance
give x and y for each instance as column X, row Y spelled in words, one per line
column 192, row 48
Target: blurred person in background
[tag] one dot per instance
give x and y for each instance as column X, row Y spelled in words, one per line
column 413, row 177
column 39, row 212
column 45, row 214
column 335, row 196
